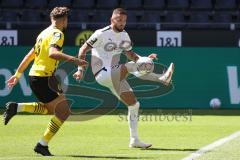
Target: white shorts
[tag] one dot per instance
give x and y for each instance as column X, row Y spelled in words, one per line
column 111, row 80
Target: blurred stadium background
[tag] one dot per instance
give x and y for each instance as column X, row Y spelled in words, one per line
column 202, row 38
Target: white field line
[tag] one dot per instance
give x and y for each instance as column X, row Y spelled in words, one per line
column 211, row 146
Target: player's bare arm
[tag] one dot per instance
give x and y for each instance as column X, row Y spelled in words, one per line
column 132, row 55
column 55, row 54
column 21, row 68
column 82, row 55
column 83, row 51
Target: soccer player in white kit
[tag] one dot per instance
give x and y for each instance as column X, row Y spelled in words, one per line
column 107, row 44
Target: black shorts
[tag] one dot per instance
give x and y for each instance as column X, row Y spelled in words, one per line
column 45, row 89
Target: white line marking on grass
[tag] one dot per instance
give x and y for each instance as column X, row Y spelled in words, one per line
column 211, row 146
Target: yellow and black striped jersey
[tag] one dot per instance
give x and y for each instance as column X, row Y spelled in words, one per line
column 43, row 65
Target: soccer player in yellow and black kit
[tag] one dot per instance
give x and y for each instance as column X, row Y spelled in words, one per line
column 46, row 55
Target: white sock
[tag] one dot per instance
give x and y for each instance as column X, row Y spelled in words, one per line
column 42, row 142
column 19, row 108
column 133, row 120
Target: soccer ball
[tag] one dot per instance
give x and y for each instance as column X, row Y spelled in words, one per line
column 215, row 103
column 145, row 65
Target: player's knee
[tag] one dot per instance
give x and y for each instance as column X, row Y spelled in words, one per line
column 50, row 109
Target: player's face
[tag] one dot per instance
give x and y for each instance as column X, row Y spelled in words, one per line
column 119, row 22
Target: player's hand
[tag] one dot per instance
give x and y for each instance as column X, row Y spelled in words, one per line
column 78, row 75
column 12, row 81
column 153, row 56
column 80, row 62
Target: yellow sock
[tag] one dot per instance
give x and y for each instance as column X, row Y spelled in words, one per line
column 32, row 107
column 52, row 129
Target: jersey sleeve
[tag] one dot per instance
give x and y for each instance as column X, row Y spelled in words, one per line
column 57, row 40
column 127, row 43
column 94, row 40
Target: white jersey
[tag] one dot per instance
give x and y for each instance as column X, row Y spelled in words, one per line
column 107, row 46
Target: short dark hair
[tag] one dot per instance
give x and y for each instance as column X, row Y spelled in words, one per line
column 120, row 11
column 59, row 12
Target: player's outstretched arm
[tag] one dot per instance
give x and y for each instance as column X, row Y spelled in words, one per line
column 21, row 68
column 55, row 54
column 82, row 55
column 132, row 55
column 83, row 51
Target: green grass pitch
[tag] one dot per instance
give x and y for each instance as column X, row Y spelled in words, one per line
column 107, row 137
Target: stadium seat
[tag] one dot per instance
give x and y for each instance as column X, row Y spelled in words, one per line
column 178, row 4
column 132, row 17
column 225, row 4
column 12, row 3
column 199, row 20
column 131, row 4
column 154, row 4
column 201, row 4
column 174, row 20
column 149, row 19
column 107, row 4
column 79, row 16
column 31, row 16
column 132, row 20
column 32, row 19
column 236, row 17
column 83, row 3
column 10, row 16
column 36, row 4
column 101, row 18
column 58, row 3
column 222, row 19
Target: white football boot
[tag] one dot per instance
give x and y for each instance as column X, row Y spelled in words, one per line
column 136, row 143
column 167, row 76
